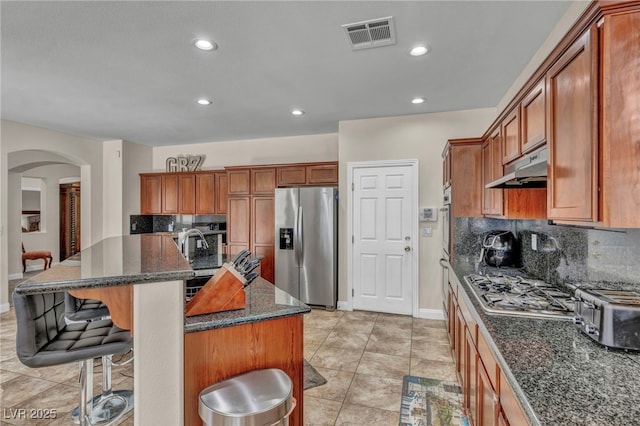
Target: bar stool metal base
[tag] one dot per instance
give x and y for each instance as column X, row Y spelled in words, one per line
column 107, row 409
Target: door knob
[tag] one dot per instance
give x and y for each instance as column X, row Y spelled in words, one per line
column 407, row 248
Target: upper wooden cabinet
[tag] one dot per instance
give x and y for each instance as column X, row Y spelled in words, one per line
column 533, row 118
column 186, row 193
column 205, row 193
column 572, row 108
column 263, row 180
column 239, row 181
column 511, row 137
column 221, row 192
column 170, row 200
column 463, row 158
column 620, row 164
column 492, row 170
column 446, row 167
column 308, row 174
column 151, row 193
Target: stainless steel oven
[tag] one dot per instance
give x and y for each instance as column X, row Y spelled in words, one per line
column 446, row 240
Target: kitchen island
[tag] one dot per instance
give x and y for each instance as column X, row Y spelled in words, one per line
column 171, row 351
column 558, row 375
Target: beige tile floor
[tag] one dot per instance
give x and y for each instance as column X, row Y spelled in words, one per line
column 363, row 356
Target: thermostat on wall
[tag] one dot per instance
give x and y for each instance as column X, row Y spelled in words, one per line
column 428, row 214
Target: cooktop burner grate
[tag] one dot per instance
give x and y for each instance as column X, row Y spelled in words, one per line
column 520, row 296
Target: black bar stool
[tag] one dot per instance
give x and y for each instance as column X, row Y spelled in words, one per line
column 92, row 310
column 44, row 339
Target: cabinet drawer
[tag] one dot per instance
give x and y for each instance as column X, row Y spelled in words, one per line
column 510, row 405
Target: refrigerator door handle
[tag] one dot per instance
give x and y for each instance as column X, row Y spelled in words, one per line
column 297, row 241
column 301, row 235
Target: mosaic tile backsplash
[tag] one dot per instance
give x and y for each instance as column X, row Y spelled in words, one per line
column 563, row 253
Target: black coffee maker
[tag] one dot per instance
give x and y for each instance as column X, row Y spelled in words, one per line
column 499, row 248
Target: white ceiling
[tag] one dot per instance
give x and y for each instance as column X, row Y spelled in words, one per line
column 128, row 69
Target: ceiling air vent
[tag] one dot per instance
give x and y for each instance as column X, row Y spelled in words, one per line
column 371, row 33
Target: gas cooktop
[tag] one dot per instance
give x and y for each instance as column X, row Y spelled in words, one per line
column 519, row 296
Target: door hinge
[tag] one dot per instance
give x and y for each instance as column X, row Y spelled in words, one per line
column 353, row 292
column 353, row 186
column 353, row 239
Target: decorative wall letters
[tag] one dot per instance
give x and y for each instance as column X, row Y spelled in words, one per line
column 189, row 163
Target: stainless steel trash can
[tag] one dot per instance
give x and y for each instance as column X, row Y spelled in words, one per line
column 257, row 398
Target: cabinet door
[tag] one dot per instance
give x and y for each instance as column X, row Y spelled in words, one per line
column 446, row 168
column 509, row 404
column 488, row 405
column 511, row 137
column 572, row 87
column 466, row 180
column 150, row 194
column 187, row 193
column 470, row 389
column 460, row 345
column 263, row 181
column 205, row 193
column 262, row 233
column 326, row 174
column 491, row 170
column 170, row 193
column 239, row 182
column 292, row 175
column 620, row 194
column 533, row 118
column 238, row 224
column 221, row 191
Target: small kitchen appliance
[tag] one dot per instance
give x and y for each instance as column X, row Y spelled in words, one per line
column 499, row 248
column 610, row 317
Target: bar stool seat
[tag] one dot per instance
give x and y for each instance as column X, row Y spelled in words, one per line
column 43, row 338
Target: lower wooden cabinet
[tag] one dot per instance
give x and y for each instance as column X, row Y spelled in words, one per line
column 487, row 396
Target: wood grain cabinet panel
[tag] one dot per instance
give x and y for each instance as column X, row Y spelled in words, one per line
column 572, row 88
column 510, row 405
column 511, row 137
column 263, row 181
column 238, row 224
column 205, row 193
column 620, row 195
column 491, row 170
column 239, row 182
column 262, row 233
column 322, row 174
column 293, row 175
column 533, row 118
column 221, row 192
column 488, row 404
column 186, row 193
column 465, row 177
column 150, row 193
column 170, row 202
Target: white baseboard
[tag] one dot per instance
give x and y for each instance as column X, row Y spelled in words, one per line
column 17, row 276
column 434, row 314
column 344, row 306
column 4, row 308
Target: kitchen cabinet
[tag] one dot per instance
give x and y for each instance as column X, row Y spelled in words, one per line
column 238, row 223
column 492, row 170
column 620, row 167
column 446, row 167
column 151, row 193
column 205, row 193
column 487, row 396
column 263, row 181
column 186, row 193
column 308, row 174
column 170, row 201
column 533, row 118
column 221, row 192
column 511, row 137
column 239, row 181
column 572, row 109
column 462, row 157
column 262, row 233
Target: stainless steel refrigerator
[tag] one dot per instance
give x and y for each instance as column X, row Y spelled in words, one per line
column 306, row 261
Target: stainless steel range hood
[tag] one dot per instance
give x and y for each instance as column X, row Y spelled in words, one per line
column 528, row 172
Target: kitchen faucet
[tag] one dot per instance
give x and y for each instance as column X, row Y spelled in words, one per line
column 183, row 240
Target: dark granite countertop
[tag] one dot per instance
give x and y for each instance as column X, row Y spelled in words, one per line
column 559, row 375
column 114, row 261
column 264, row 302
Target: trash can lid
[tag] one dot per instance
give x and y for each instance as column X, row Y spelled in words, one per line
column 256, row 398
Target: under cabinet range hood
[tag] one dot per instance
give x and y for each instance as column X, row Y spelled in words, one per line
column 527, row 172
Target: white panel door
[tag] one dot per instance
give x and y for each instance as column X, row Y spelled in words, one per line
column 382, row 238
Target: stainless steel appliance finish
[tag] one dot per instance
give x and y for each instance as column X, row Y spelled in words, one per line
column 499, row 248
column 519, row 296
column 306, row 262
column 446, row 221
column 527, row 172
column 610, row 317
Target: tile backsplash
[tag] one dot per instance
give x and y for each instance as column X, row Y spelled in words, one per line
column 563, row 253
column 143, row 224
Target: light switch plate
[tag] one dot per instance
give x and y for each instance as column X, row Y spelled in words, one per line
column 427, row 231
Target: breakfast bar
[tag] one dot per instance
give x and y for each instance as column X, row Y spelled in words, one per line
column 141, row 278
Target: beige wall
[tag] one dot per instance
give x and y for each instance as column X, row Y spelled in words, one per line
column 420, row 137
column 136, row 158
column 293, row 149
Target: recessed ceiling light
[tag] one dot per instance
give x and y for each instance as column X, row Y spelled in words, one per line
column 203, row 44
column 417, row 100
column 297, row 112
column 419, row 50
column 203, row 102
